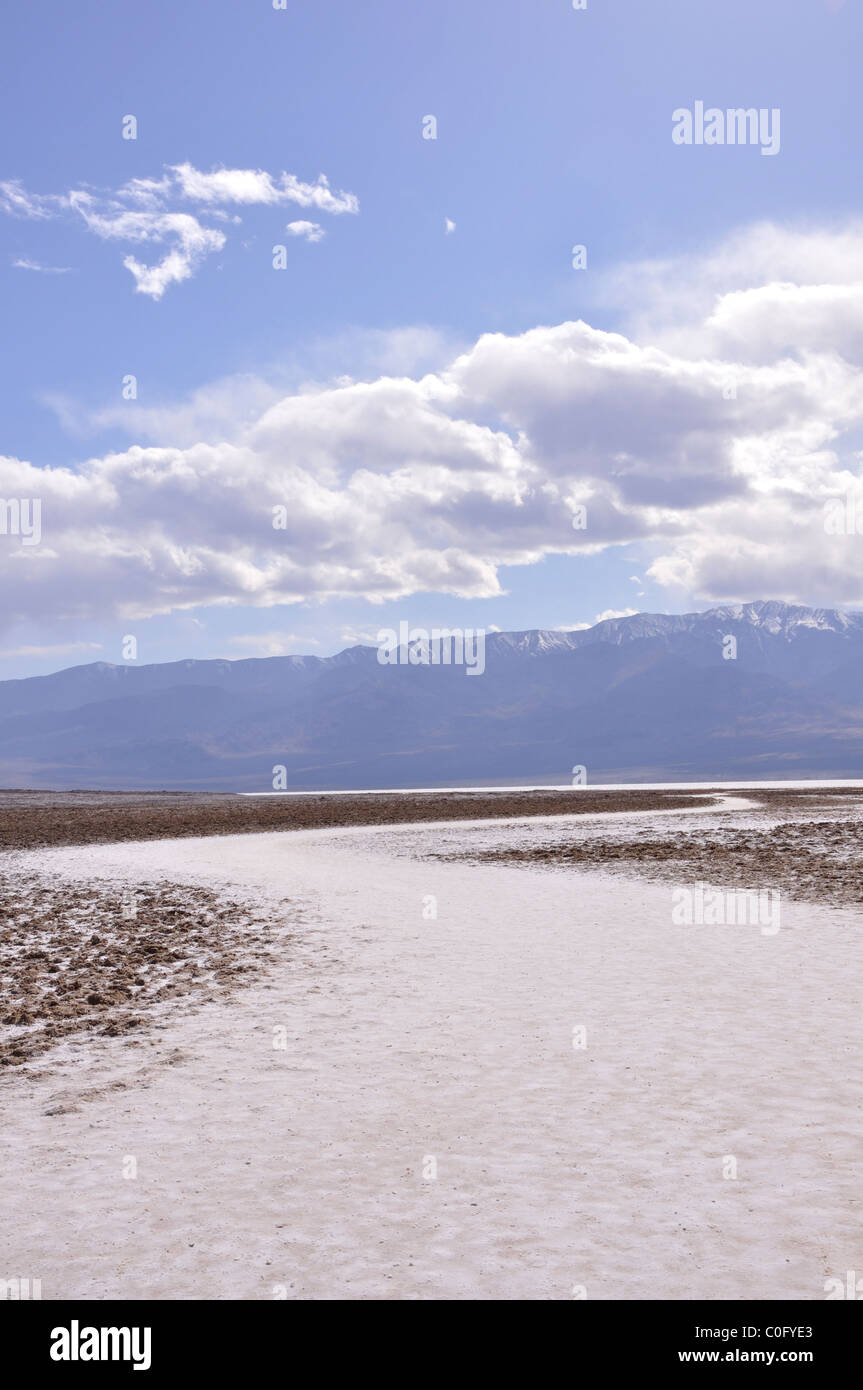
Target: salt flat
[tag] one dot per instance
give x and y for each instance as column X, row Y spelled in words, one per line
column 430, row 1130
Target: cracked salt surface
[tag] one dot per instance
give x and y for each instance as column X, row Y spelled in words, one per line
column 452, row 1038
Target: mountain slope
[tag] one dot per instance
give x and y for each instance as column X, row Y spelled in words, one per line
column 650, row 696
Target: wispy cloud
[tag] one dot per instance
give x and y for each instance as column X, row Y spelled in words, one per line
column 149, row 212
column 272, row 643
column 15, row 201
column 192, row 242
column 359, row 637
column 60, row 649
column 256, row 186
column 24, row 263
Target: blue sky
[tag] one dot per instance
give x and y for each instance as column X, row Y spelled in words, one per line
column 553, row 129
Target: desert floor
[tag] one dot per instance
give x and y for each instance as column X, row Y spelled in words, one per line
column 353, row 1064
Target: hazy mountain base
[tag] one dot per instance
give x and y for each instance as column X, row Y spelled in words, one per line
column 646, row 698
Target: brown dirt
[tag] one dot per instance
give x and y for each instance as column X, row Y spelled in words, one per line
column 94, row 959
column 72, row 962
column 808, row 860
column 32, row 819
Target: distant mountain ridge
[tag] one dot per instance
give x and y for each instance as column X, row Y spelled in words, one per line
column 646, row 697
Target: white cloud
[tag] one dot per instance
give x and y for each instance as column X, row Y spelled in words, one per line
column 690, row 302
column 223, row 409
column 396, row 486
column 449, row 226
column 359, row 637
column 58, row 649
column 192, row 242
column 144, row 211
column 610, row 613
column 15, row 201
column 24, row 263
column 312, row 231
column 255, row 186
column 603, row 617
column 272, row 643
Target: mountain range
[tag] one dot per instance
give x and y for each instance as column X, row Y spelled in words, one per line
column 651, row 697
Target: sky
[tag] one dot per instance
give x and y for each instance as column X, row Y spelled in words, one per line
column 315, row 353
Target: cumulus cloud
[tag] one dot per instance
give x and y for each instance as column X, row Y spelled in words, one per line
column 312, row 231
column 605, row 616
column 717, row 461
column 697, row 302
column 223, row 409
column 146, row 212
column 608, row 614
